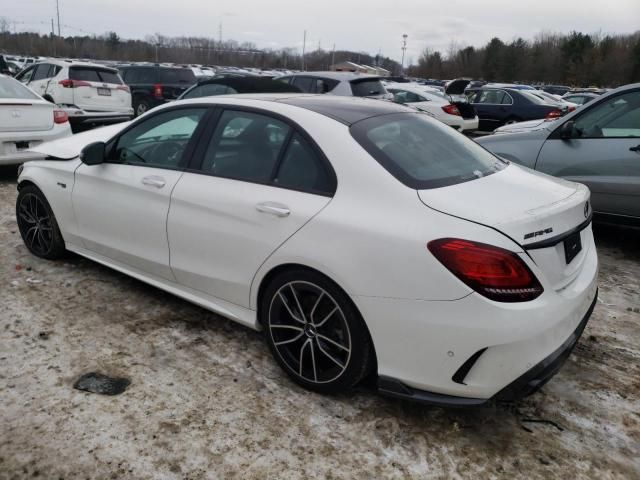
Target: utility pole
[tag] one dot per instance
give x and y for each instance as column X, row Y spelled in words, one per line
column 304, row 46
column 404, row 49
column 156, row 52
column 58, row 13
column 53, row 38
column 333, row 55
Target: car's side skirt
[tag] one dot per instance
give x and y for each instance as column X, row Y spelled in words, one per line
column 228, row 310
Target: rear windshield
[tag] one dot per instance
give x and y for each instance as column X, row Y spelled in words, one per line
column 177, row 75
column 92, row 74
column 366, row 88
column 10, row 88
column 423, row 153
column 534, row 98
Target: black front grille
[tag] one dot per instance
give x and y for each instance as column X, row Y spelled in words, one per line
column 466, row 110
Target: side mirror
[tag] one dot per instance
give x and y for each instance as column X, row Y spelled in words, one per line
column 566, row 130
column 93, row 154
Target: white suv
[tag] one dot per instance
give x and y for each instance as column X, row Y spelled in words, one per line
column 91, row 94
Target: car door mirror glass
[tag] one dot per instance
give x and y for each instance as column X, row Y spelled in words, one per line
column 93, row 154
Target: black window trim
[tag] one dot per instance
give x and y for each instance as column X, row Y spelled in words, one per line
column 197, row 158
column 584, row 108
column 111, row 144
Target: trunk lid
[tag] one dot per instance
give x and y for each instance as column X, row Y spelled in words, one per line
column 535, row 210
column 99, row 90
column 457, row 86
column 25, row 115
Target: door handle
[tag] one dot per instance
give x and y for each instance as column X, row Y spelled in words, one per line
column 154, row 181
column 635, row 149
column 273, row 208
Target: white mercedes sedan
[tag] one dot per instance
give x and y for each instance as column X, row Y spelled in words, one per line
column 26, row 121
column 364, row 238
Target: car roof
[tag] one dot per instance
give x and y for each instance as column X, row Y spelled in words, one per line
column 72, row 63
column 346, row 110
column 251, row 84
column 344, row 76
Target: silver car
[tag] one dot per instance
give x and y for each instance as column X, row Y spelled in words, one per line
column 598, row 145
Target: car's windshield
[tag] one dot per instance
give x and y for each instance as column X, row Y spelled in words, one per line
column 177, row 75
column 423, row 153
column 10, row 88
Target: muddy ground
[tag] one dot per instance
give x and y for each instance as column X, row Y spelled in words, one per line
column 207, row 401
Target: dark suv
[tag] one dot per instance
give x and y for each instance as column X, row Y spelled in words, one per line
column 153, row 85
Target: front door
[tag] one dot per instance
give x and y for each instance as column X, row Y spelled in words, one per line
column 122, row 205
column 603, row 153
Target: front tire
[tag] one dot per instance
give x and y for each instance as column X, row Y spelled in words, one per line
column 314, row 332
column 37, row 224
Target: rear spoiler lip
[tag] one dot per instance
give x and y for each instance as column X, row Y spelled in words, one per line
column 550, row 242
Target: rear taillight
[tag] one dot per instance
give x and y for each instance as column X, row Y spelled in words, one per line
column 157, row 90
column 60, row 116
column 553, row 114
column 451, row 110
column 124, row 88
column 494, row 272
column 68, row 83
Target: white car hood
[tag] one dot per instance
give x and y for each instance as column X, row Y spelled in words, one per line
column 516, row 201
column 70, row 147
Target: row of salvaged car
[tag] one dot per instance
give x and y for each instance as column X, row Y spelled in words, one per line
column 600, row 152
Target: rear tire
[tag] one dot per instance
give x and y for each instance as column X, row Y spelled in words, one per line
column 511, row 121
column 314, row 332
column 141, row 106
column 37, row 224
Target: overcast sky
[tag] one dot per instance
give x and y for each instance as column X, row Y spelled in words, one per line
column 360, row 25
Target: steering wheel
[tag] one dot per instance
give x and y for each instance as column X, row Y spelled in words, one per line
column 167, row 153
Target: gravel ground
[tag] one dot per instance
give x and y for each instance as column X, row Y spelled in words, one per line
column 207, row 401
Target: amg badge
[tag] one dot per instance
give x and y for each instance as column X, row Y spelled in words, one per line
column 538, row 233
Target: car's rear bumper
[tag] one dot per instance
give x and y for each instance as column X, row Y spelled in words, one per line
column 10, row 154
column 528, row 383
column 78, row 116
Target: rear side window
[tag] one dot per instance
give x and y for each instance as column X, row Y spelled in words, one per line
column 423, row 153
column 305, row 84
column 302, row 169
column 365, row 88
column 245, row 146
column 140, row 75
column 177, row 75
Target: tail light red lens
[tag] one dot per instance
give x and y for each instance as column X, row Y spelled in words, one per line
column 451, row 110
column 553, row 114
column 68, row 83
column 157, row 91
column 60, row 116
column 494, row 272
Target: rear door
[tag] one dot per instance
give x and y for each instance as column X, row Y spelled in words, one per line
column 604, row 153
column 257, row 182
column 492, row 107
column 121, row 206
column 99, row 89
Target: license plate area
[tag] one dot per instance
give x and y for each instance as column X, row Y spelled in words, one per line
column 105, row 92
column 22, row 145
column 572, row 247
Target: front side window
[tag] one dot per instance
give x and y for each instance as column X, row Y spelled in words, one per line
column 618, row 116
column 423, row 153
column 25, row 75
column 305, row 84
column 302, row 169
column 493, row 97
column 159, row 141
column 245, row 146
